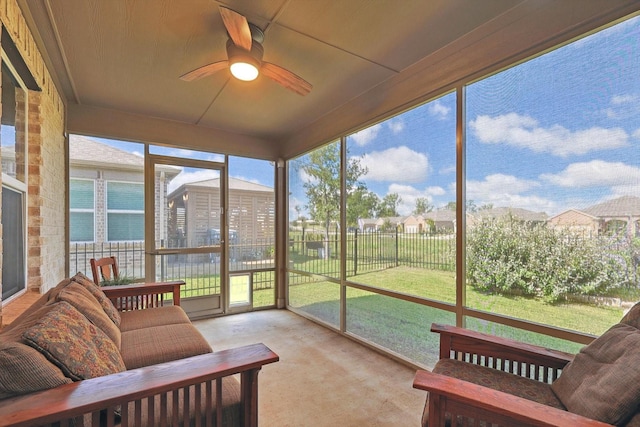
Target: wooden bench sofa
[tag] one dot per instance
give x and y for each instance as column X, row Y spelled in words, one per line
column 484, row 380
column 75, row 359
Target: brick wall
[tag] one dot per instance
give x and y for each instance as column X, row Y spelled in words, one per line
column 46, row 162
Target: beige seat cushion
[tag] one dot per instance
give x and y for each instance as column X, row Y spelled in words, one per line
column 150, row 317
column 602, row 381
column 158, row 344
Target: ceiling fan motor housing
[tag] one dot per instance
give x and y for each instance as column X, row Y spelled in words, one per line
column 236, row 53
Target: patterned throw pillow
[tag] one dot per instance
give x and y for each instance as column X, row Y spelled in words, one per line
column 77, row 346
column 79, row 297
column 97, row 293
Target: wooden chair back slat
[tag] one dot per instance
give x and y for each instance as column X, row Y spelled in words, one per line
column 104, row 269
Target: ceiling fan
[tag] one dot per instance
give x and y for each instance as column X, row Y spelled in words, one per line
column 244, row 53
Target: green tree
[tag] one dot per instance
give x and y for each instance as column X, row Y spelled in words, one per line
column 422, row 206
column 361, row 203
column 388, row 206
column 471, row 206
column 323, row 185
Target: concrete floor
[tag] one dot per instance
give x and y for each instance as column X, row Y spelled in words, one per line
column 322, row 378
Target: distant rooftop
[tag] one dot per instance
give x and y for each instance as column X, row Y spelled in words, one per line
column 620, row 207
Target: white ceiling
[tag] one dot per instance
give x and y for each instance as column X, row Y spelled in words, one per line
column 364, row 58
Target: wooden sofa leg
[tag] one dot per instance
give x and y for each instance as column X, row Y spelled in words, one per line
column 249, row 397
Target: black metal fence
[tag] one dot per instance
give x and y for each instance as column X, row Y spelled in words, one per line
column 202, row 270
column 366, row 252
column 372, row 251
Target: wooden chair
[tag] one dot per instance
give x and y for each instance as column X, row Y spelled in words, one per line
column 487, row 380
column 104, row 269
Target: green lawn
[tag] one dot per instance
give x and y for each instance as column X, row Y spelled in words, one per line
column 440, row 286
column 404, row 327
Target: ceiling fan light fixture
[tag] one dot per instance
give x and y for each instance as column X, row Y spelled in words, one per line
column 244, row 64
column 244, row 69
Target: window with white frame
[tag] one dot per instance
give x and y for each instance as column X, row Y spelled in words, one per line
column 81, row 210
column 125, row 211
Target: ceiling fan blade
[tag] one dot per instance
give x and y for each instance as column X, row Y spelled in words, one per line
column 237, row 27
column 204, row 71
column 286, row 78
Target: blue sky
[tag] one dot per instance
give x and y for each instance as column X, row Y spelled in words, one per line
column 557, row 132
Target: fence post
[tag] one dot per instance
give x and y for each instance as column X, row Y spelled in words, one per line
column 397, row 264
column 336, row 241
column 355, row 252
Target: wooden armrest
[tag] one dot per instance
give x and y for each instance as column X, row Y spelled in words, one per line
column 145, row 289
column 463, row 340
column 96, row 394
column 447, row 391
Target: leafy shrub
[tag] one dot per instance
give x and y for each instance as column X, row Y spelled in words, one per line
column 506, row 255
column 122, row 280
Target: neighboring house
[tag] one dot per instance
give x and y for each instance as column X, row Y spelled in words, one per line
column 394, row 222
column 106, row 193
column 251, row 213
column 367, row 225
column 413, row 224
column 577, row 221
column 618, row 214
column 502, row 212
column 442, row 220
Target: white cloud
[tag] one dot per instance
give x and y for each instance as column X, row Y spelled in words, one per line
column 409, row 194
column 294, row 203
column 596, row 173
column 623, row 99
column 367, row 135
column 186, row 177
column 622, row 107
column 439, row 110
column 524, row 132
column 305, row 177
column 396, row 164
column 505, row 191
column 636, row 133
column 396, row 125
column 496, row 184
